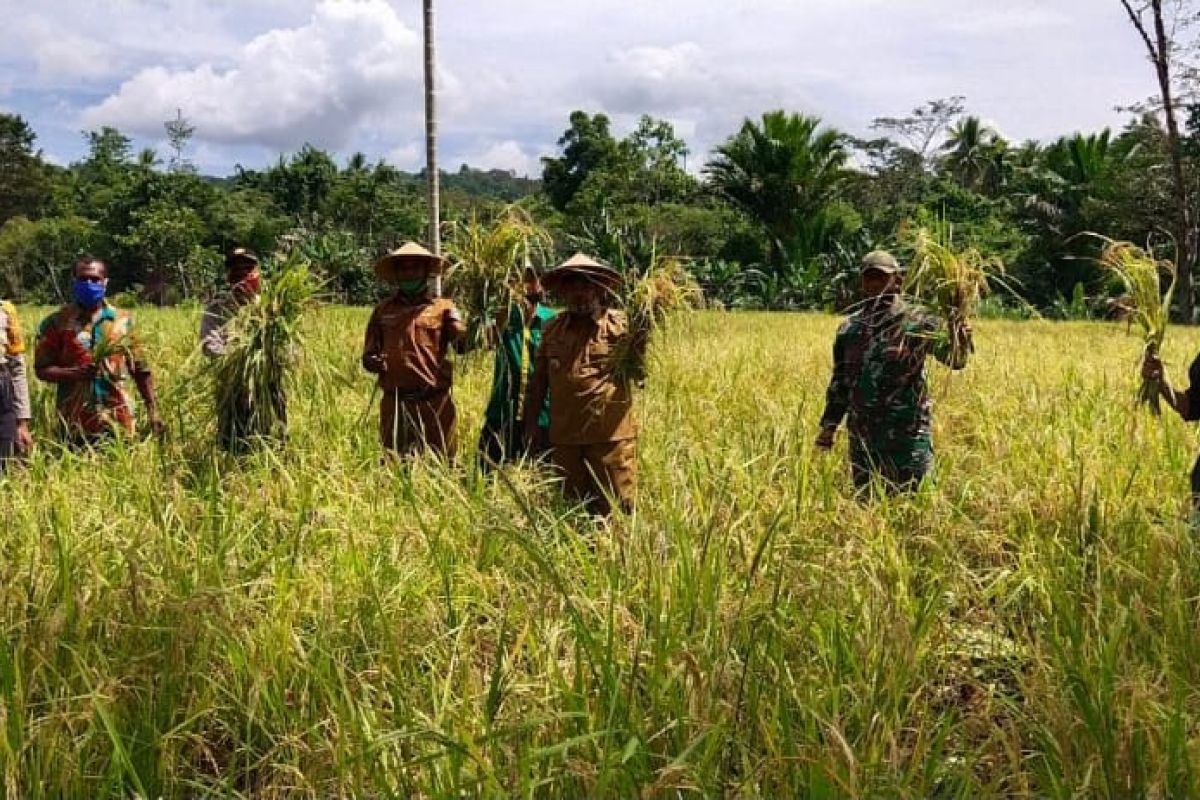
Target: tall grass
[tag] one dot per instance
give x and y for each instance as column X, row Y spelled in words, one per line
column 312, row 624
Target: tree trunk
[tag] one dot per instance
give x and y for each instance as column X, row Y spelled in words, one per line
column 431, row 168
column 1183, row 216
column 1159, row 47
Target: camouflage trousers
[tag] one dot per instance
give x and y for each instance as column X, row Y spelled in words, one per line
column 899, row 469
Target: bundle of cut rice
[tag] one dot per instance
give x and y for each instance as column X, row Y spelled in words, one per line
column 263, row 344
column 1142, row 276
column 951, row 284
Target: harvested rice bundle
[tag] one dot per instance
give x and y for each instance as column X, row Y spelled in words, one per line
column 950, row 283
column 1142, row 276
column 264, row 341
column 651, row 301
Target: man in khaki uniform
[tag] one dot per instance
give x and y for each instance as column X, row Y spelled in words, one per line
column 593, row 432
column 407, row 345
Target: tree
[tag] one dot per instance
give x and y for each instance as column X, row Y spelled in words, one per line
column 587, row 146
column 975, row 155
column 921, row 128
column 431, row 168
column 26, row 185
column 179, row 135
column 1150, row 20
column 785, row 172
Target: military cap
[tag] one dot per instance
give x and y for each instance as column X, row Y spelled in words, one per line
column 882, row 261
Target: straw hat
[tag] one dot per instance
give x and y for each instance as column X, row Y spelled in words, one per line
column 410, row 252
column 582, row 265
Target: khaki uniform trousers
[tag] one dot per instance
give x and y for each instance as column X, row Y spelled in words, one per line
column 594, row 472
column 408, row 426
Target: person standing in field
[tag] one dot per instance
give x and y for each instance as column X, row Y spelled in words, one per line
column 16, row 440
column 1186, row 404
column 518, row 335
column 593, row 431
column 407, row 346
column 879, row 383
column 234, row 422
column 89, row 350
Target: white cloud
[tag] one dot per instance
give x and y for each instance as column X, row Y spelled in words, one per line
column 410, row 157
column 258, row 77
column 353, row 62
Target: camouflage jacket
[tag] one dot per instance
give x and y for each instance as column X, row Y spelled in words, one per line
column 879, row 383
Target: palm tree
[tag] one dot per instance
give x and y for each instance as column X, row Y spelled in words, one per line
column 976, row 155
column 431, row 168
column 783, row 172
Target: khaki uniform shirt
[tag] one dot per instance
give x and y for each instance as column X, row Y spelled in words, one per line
column 413, row 337
column 588, row 405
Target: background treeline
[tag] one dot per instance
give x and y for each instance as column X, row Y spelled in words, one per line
column 776, row 217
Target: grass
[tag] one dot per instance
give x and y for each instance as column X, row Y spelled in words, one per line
column 307, row 623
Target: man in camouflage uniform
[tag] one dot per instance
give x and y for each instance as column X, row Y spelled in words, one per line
column 407, row 346
column 1186, row 404
column 15, row 410
column 879, row 384
column 593, row 431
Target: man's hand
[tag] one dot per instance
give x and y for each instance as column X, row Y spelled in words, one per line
column 157, row 426
column 24, row 437
column 374, row 363
column 824, row 439
column 1152, row 368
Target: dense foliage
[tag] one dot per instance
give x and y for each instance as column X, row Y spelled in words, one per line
column 775, row 217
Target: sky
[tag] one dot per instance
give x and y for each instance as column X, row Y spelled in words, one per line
column 258, row 78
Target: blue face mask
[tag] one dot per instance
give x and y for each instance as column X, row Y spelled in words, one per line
column 88, row 294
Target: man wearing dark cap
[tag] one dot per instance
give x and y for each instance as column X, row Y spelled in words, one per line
column 235, row 430
column 407, row 346
column 518, row 331
column 593, row 432
column 879, row 384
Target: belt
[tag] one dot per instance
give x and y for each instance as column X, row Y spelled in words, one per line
column 419, row 395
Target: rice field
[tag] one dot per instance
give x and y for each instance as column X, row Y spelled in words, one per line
column 307, row 622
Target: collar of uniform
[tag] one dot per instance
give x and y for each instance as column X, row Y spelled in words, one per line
column 399, row 298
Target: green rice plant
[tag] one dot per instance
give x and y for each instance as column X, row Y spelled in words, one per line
column 487, row 259
column 951, row 283
column 264, row 341
column 1142, row 276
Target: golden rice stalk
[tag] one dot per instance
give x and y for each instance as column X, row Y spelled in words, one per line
column 1142, row 275
column 951, row 284
column 651, row 301
column 487, row 259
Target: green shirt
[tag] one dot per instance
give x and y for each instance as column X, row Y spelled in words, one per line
column 518, row 345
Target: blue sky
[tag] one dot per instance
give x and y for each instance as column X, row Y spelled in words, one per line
column 261, row 77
